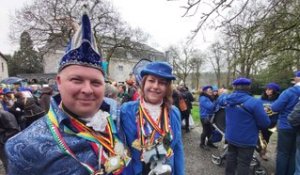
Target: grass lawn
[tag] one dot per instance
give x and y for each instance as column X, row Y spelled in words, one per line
column 195, row 114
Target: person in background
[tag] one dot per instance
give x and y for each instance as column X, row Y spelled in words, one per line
column 270, row 94
column 76, row 136
column 122, row 94
column 207, row 107
column 245, row 115
column 44, row 100
column 188, row 98
column 215, row 93
column 16, row 87
column 286, row 142
column 152, row 126
column 9, row 99
column 111, row 98
column 294, row 120
column 131, row 89
column 8, row 128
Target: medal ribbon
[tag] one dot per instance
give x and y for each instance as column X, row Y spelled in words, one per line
column 155, row 125
column 88, row 134
column 53, row 125
column 84, row 132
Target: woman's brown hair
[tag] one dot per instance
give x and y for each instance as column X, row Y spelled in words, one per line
column 167, row 100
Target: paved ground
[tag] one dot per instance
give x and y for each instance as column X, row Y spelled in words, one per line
column 198, row 161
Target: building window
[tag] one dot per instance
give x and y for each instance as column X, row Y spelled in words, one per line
column 2, row 66
column 120, row 67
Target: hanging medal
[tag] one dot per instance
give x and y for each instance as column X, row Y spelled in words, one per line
column 117, row 156
column 146, row 141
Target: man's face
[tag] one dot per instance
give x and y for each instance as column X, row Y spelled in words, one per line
column 155, row 89
column 82, row 89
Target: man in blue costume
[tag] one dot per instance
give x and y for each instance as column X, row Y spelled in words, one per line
column 286, row 143
column 152, row 126
column 77, row 136
column 245, row 115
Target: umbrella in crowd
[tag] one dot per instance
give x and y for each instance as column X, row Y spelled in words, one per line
column 11, row 80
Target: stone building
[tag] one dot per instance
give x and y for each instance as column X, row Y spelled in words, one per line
column 120, row 65
column 3, row 67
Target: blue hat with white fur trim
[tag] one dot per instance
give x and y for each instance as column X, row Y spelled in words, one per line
column 82, row 49
column 160, row 69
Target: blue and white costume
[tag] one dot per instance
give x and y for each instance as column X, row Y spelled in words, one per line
column 129, row 125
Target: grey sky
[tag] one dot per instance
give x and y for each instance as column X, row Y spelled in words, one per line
column 159, row 18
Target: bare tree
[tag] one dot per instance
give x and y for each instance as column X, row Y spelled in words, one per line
column 217, row 60
column 184, row 59
column 217, row 13
column 51, row 23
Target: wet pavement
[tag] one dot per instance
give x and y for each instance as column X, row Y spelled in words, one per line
column 199, row 161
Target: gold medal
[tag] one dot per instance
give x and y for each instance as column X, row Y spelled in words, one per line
column 137, row 144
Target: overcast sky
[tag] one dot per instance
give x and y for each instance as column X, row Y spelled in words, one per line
column 159, row 18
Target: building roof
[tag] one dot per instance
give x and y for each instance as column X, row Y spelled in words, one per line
column 3, row 56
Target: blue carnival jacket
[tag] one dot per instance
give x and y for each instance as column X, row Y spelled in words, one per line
column 35, row 152
column 128, row 123
column 207, row 107
column 245, row 115
column 285, row 104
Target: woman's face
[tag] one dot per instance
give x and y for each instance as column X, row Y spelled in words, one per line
column 269, row 92
column 155, row 89
column 209, row 92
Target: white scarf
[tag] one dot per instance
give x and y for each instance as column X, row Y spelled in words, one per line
column 153, row 110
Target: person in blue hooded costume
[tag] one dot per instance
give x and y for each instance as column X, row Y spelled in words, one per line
column 152, row 126
column 207, row 108
column 77, row 136
column 270, row 94
column 245, row 115
column 286, row 142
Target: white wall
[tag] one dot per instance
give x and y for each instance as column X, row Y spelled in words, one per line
column 51, row 61
column 3, row 68
column 120, row 69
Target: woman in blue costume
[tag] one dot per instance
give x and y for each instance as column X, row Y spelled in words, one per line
column 77, row 136
column 152, row 126
column 270, row 94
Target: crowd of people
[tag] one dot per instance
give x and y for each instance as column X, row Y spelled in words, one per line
column 88, row 126
column 250, row 122
column 93, row 127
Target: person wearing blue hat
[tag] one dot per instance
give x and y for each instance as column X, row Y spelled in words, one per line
column 207, row 108
column 270, row 94
column 152, row 126
column 78, row 135
column 286, row 142
column 245, row 115
column 8, row 99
